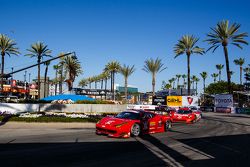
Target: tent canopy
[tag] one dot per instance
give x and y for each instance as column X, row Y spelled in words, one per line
column 66, row 97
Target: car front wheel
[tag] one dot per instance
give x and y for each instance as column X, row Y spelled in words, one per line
column 135, row 130
column 168, row 125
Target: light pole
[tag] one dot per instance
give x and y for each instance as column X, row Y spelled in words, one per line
column 29, row 77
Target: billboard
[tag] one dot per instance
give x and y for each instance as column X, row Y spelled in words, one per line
column 223, row 100
column 174, row 101
column 190, row 101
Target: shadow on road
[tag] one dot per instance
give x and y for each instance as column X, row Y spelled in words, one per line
column 223, row 121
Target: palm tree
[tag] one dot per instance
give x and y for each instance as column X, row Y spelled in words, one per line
column 214, row 75
column 178, row 78
column 90, row 80
column 184, row 76
column 186, row 45
column 240, row 62
column 83, row 82
column 45, row 78
column 247, row 72
column 112, row 67
column 39, row 50
column 173, row 79
column 171, row 82
column 196, row 80
column 153, row 66
column 204, row 76
column 168, row 86
column 73, row 68
column 7, row 46
column 222, row 35
column 219, row 67
column 193, row 78
column 126, row 71
column 56, row 67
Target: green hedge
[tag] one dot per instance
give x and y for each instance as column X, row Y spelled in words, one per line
column 50, row 119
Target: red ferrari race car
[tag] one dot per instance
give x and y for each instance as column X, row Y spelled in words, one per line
column 133, row 123
column 185, row 115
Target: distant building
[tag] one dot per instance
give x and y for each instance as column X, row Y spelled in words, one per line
column 131, row 89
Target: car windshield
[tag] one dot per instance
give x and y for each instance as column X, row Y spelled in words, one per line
column 128, row 115
column 184, row 111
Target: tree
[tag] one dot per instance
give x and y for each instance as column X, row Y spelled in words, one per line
column 171, row 82
column 214, row 75
column 221, row 87
column 7, row 46
column 187, row 45
column 56, row 67
column 219, row 67
column 196, row 80
column 240, row 63
column 38, row 50
column 223, row 35
column 112, row 67
column 126, row 71
column 153, row 66
column 45, row 78
column 193, row 78
column 83, row 82
column 73, row 69
column 178, row 78
column 184, row 76
column 204, row 76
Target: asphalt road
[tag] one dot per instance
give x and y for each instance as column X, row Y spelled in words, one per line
column 216, row 140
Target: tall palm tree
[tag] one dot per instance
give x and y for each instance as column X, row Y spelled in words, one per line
column 204, row 76
column 223, row 35
column 38, row 50
column 83, row 82
column 56, row 67
column 7, row 46
column 126, row 71
column 45, row 78
column 173, row 79
column 184, row 76
column 113, row 67
column 240, row 63
column 73, row 68
column 171, row 82
column 214, row 75
column 153, row 66
column 178, row 76
column 219, row 67
column 187, row 45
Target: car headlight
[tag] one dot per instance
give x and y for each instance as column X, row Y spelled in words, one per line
column 121, row 124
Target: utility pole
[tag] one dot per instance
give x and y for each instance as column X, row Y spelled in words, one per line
column 29, row 77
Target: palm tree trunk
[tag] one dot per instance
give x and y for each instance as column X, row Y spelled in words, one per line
column 113, row 85
column 126, row 89
column 228, row 69
column 153, row 84
column 219, row 75
column 204, row 85
column 196, row 88
column 106, row 80
column 188, row 66
column 101, row 83
column 241, row 75
column 2, row 71
column 45, row 81
column 38, row 76
column 56, row 83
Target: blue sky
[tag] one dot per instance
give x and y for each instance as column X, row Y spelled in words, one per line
column 129, row 31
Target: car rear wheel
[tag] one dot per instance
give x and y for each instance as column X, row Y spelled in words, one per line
column 168, row 125
column 135, row 130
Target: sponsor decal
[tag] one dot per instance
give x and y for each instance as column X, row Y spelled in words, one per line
column 174, row 100
column 190, row 100
column 152, row 124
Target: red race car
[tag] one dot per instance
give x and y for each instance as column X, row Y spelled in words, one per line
column 133, row 123
column 185, row 115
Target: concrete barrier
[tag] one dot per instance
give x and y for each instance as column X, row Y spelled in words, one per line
column 76, row 108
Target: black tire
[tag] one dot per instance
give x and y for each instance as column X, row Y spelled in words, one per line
column 168, row 125
column 195, row 120
column 135, row 130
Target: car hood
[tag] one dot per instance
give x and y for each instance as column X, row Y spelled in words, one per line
column 112, row 121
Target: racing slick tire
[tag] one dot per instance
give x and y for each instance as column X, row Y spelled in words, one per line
column 195, row 119
column 168, row 125
column 135, row 130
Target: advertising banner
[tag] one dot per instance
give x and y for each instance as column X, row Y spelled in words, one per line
column 141, row 107
column 159, row 100
column 223, row 100
column 189, row 101
column 174, row 101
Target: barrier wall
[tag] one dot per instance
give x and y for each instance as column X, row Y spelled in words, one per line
column 76, row 108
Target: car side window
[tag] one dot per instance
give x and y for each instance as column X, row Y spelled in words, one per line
column 148, row 115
